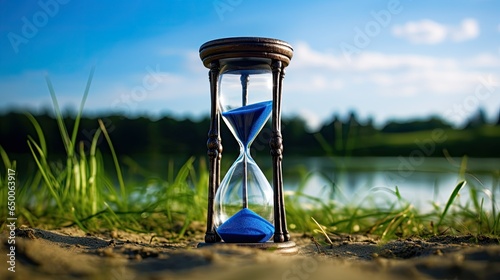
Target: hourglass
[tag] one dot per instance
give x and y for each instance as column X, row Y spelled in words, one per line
column 244, row 200
column 246, row 75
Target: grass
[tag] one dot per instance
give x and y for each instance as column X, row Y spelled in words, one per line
column 80, row 191
column 401, row 219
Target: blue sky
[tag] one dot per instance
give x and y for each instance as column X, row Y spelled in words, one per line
column 385, row 59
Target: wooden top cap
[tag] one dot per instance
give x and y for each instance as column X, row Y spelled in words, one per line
column 245, row 47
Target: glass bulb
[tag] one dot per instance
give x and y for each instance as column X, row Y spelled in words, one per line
column 244, row 200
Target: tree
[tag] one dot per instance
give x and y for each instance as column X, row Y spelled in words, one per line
column 498, row 120
column 476, row 120
column 415, row 125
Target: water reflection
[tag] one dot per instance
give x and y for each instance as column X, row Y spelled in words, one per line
column 374, row 180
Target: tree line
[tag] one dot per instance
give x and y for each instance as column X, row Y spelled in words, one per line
column 346, row 136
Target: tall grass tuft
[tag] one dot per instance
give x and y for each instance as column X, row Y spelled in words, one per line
column 79, row 191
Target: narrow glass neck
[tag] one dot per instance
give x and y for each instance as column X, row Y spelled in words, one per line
column 244, row 149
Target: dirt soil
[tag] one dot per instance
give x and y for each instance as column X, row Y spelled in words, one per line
column 72, row 254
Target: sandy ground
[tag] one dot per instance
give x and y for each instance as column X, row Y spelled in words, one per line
column 71, row 254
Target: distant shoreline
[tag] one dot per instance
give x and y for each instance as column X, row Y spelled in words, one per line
column 349, row 138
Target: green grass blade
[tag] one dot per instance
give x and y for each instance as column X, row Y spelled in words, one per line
column 59, row 118
column 68, row 145
column 453, row 195
column 93, row 170
column 116, row 163
column 183, row 173
column 397, row 220
column 82, row 105
column 5, row 158
column 39, row 132
column 45, row 175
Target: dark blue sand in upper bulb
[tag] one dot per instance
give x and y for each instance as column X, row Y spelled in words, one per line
column 248, row 120
column 246, row 227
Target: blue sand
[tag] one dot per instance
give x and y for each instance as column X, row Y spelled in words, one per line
column 246, row 227
column 248, row 120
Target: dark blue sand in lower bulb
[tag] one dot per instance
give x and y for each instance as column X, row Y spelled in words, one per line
column 248, row 120
column 246, row 227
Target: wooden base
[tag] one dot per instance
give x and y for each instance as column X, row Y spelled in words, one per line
column 285, row 248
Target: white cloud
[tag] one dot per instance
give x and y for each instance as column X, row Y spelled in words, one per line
column 306, row 58
column 389, row 74
column 427, row 31
column 379, row 61
column 483, row 60
column 468, row 29
column 314, row 121
column 421, row 32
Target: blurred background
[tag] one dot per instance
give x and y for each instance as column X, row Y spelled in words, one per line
column 378, row 93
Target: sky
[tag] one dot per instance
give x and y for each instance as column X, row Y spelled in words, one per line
column 384, row 60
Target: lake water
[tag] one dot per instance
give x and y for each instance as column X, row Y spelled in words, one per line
column 420, row 181
column 370, row 180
